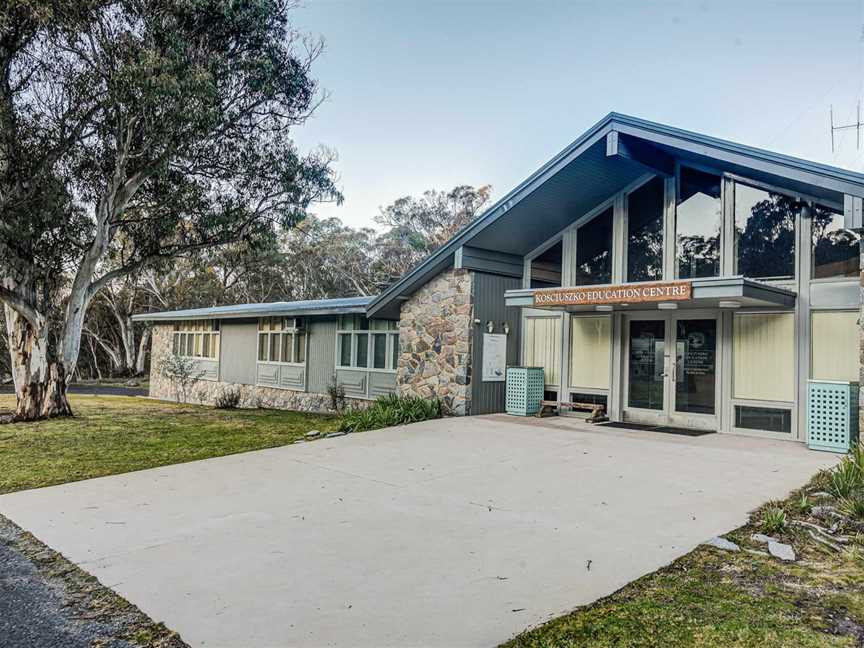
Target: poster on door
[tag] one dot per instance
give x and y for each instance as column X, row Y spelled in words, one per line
column 494, row 357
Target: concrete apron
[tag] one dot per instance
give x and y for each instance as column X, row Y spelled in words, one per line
column 459, row 532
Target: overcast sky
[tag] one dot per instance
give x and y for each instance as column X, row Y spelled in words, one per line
column 433, row 94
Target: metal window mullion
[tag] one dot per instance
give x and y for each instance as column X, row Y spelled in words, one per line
column 728, row 242
column 669, row 243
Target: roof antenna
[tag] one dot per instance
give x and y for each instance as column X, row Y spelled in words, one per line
column 842, row 127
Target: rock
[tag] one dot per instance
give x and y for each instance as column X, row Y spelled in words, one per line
column 132, row 383
column 762, row 539
column 782, row 551
column 722, row 543
column 335, row 434
column 312, row 434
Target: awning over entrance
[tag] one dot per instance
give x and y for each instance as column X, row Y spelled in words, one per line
column 713, row 292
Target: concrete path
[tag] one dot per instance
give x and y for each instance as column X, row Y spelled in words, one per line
column 458, row 532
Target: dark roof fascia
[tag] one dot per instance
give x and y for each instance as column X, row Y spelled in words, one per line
column 224, row 313
column 822, row 175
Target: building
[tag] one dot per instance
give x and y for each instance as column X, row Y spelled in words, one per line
column 675, row 278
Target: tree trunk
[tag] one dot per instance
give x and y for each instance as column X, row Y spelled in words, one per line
column 142, row 351
column 40, row 380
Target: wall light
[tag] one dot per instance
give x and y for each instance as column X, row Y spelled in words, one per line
column 667, row 306
column 603, row 307
column 490, row 326
column 729, row 304
column 506, row 327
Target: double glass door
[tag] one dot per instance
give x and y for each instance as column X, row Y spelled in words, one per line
column 671, row 376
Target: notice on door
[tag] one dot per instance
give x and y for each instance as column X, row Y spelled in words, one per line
column 494, row 357
column 625, row 294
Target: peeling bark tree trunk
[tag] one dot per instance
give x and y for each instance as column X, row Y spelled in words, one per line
column 142, row 351
column 40, row 378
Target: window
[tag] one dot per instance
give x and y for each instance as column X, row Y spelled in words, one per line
column 281, row 339
column 645, row 232
column 542, row 347
column 367, row 344
column 594, row 251
column 772, row 419
column 590, row 351
column 763, row 356
column 698, row 216
column 835, row 249
column 834, row 345
column 196, row 339
column 546, row 267
column 765, row 232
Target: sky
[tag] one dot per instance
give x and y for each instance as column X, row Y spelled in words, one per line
column 434, row 94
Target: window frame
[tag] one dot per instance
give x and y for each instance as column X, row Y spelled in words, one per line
column 292, row 332
column 188, row 335
column 392, row 335
column 726, row 211
column 836, row 207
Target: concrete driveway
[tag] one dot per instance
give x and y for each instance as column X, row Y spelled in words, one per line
column 458, row 532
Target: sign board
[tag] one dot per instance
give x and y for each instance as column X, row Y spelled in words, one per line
column 494, row 357
column 661, row 291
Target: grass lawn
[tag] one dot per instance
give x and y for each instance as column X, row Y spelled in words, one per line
column 117, row 434
column 713, row 598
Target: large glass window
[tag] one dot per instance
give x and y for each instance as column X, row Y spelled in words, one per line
column 698, row 216
column 281, row 339
column 765, row 232
column 645, row 232
column 594, row 251
column 546, row 267
column 834, row 345
column 835, row 249
column 763, row 356
column 772, row 419
column 196, row 339
column 367, row 344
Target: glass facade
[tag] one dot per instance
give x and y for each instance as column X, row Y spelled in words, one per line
column 594, row 251
column 835, row 249
column 698, row 218
column 645, row 366
column 765, row 233
column 645, row 232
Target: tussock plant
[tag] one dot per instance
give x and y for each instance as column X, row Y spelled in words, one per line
column 803, row 504
column 228, row 398
column 390, row 410
column 853, row 506
column 847, row 477
column 774, row 520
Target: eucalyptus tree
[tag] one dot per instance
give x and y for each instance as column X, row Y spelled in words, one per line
column 132, row 131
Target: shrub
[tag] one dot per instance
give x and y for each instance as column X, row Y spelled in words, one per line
column 336, row 391
column 846, row 477
column 774, row 520
column 182, row 373
column 228, row 398
column 390, row 410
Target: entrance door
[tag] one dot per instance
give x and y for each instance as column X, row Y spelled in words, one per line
column 671, row 376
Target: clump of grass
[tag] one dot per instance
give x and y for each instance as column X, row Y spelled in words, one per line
column 803, row 504
column 774, row 520
column 390, row 410
column 847, row 476
column 853, row 506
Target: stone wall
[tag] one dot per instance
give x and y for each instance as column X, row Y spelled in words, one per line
column 435, row 341
column 206, row 391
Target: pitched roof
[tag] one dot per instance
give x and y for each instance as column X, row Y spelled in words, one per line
column 585, row 168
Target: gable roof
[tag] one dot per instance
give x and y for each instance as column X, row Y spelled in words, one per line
column 582, row 175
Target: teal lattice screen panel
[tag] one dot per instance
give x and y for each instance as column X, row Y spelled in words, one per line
column 832, row 415
column 524, row 390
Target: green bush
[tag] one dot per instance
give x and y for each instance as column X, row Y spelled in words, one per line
column 390, row 410
column 853, row 506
